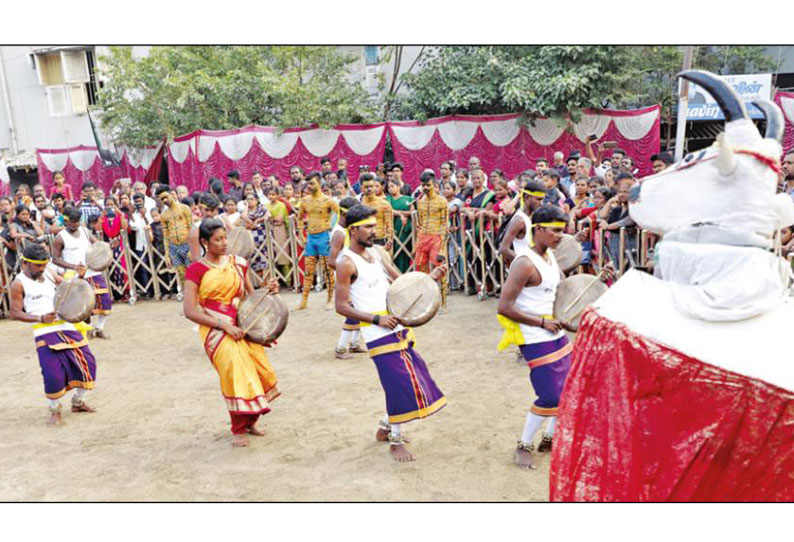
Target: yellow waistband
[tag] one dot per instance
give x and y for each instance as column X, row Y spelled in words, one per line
column 513, row 334
column 379, row 313
column 55, row 323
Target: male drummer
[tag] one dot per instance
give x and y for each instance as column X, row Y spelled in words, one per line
column 318, row 208
column 432, row 222
column 361, row 288
column 384, row 230
column 519, row 231
column 525, row 311
column 351, row 329
column 69, row 252
column 177, row 221
column 64, row 357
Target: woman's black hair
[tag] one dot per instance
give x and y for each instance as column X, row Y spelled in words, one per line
column 606, row 192
column 208, row 226
column 21, row 207
column 187, row 200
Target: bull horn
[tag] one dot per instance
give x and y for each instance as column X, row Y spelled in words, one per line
column 732, row 107
column 774, row 119
column 726, row 160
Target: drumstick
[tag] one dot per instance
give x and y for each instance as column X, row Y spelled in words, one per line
column 411, row 306
column 258, row 317
column 578, row 297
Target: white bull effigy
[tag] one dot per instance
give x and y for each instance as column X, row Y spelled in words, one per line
column 682, row 383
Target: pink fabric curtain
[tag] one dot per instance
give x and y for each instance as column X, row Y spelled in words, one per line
column 521, row 152
column 242, row 150
column 785, row 100
column 80, row 164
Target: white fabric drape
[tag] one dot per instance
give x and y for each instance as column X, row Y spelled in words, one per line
column 457, row 134
column 179, row 149
column 545, row 131
column 636, row 127
column 589, row 125
column 142, row 157
column 206, row 146
column 83, row 160
column 787, row 105
column 54, row 162
column 236, row 146
column 501, row 132
column 4, row 171
column 413, row 138
column 319, row 142
column 363, row 141
column 277, row 146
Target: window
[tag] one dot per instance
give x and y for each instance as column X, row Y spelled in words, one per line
column 70, row 78
column 370, row 55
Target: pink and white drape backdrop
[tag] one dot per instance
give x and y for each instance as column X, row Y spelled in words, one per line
column 195, row 157
column 499, row 142
column 81, row 164
column 786, row 102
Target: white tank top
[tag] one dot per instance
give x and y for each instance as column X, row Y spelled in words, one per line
column 39, row 299
column 75, row 249
column 522, row 244
column 368, row 291
column 539, row 300
column 338, row 228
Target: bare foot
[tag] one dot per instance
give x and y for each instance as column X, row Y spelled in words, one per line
column 240, row 441
column 382, row 435
column 357, row 349
column 300, row 307
column 82, row 407
column 329, row 305
column 253, row 430
column 524, row 459
column 102, row 334
column 400, row 453
column 55, row 418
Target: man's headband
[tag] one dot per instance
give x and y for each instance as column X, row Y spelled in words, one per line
column 551, row 224
column 37, row 262
column 367, row 221
column 536, row 193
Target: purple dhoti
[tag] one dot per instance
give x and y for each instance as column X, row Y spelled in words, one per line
column 410, row 391
column 351, row 325
column 104, row 302
column 549, row 363
column 66, row 362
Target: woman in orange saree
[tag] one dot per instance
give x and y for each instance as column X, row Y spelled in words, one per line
column 214, row 287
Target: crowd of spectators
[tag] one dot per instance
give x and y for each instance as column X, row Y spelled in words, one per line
column 592, row 187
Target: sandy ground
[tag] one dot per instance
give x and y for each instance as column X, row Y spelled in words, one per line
column 161, row 432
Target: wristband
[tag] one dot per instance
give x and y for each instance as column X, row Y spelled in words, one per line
column 376, row 320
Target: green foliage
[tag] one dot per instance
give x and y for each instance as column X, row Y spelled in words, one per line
column 176, row 90
column 655, row 68
column 558, row 80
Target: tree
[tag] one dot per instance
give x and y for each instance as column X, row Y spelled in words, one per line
column 536, row 80
column 176, row 90
column 558, row 80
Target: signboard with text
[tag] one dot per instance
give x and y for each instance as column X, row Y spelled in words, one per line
column 749, row 87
